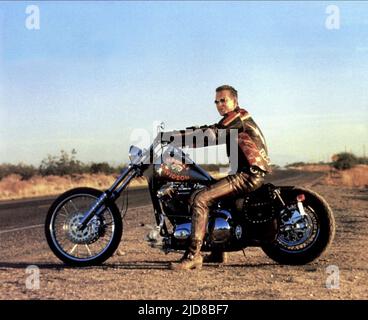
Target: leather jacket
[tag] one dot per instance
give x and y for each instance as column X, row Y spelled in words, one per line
column 252, row 148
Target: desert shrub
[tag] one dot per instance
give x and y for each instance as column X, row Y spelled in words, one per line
column 363, row 160
column 64, row 164
column 101, row 167
column 25, row 171
column 344, row 160
column 5, row 170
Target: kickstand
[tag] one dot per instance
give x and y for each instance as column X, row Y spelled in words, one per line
column 244, row 254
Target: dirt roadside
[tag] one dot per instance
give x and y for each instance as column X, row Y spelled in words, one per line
column 142, row 272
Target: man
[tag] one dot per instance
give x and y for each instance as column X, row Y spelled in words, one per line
column 252, row 165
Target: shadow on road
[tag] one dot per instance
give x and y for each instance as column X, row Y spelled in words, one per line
column 24, row 265
column 139, row 265
column 161, row 265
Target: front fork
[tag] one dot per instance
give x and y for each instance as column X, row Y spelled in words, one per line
column 110, row 194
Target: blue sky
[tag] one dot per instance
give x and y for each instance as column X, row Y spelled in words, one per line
column 95, row 71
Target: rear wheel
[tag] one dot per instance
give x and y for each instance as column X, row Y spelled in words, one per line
column 90, row 246
column 303, row 236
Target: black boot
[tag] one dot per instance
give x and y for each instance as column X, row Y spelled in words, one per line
column 192, row 258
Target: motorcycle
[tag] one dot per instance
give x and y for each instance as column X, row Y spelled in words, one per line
column 292, row 225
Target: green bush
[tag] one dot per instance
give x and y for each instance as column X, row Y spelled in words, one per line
column 63, row 165
column 344, row 161
column 25, row 171
column 101, row 167
column 363, row 160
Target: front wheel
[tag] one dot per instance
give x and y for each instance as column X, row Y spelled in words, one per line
column 90, row 246
column 303, row 236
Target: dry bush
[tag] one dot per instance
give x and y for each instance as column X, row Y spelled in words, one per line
column 13, row 187
column 355, row 177
column 312, row 167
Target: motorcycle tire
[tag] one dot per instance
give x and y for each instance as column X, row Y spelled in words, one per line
column 58, row 210
column 324, row 234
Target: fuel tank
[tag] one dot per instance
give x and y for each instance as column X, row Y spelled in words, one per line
column 175, row 165
column 181, row 172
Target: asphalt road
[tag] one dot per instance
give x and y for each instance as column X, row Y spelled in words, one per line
column 141, row 272
column 30, row 213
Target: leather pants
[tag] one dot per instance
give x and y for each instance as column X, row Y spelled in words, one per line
column 226, row 187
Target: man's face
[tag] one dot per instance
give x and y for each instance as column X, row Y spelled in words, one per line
column 225, row 102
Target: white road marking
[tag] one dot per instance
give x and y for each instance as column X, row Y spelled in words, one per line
column 43, row 206
column 42, row 225
column 141, row 207
column 23, row 228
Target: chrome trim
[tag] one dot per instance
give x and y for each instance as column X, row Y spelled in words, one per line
column 123, row 175
column 301, row 208
column 238, row 231
column 221, row 231
column 183, row 231
column 89, row 214
column 125, row 183
column 223, row 212
column 135, row 154
column 296, row 230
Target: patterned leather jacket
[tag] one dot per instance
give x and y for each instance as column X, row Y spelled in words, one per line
column 252, row 148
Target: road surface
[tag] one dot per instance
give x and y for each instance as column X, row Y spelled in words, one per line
column 141, row 272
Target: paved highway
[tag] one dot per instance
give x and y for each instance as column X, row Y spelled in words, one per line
column 30, row 213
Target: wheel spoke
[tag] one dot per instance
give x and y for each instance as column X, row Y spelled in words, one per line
column 75, row 208
column 89, row 251
column 67, row 212
column 86, row 244
column 71, row 251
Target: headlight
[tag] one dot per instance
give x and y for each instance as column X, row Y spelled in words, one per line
column 134, row 153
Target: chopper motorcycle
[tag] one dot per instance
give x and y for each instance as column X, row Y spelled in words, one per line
column 292, row 225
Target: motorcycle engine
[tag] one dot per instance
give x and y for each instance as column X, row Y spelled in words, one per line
column 177, row 189
column 174, row 198
column 219, row 229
